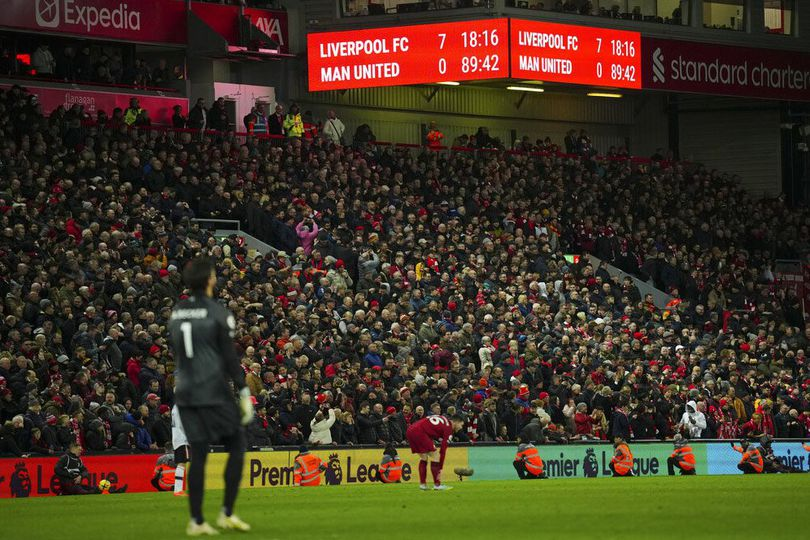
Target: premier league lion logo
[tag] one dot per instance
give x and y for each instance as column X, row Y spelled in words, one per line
column 589, row 465
column 20, row 483
column 334, row 472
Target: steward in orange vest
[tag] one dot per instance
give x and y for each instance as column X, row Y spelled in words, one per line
column 307, row 469
column 682, row 458
column 751, row 462
column 622, row 461
column 528, row 464
column 390, row 467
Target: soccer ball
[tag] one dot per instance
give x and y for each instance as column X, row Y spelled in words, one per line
column 104, row 485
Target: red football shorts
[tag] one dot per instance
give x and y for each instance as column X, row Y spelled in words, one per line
column 420, row 443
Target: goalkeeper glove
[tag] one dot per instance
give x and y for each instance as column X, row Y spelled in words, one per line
column 246, row 406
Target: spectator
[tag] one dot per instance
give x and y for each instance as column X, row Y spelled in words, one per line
column 693, row 422
column 363, row 136
column 250, row 120
column 273, row 125
column 462, row 141
column 66, row 67
column 161, row 75
column 133, row 112
column 43, row 61
column 310, row 127
column 321, row 426
column 198, row 116
column 293, row 123
column 84, row 64
column 333, row 128
column 178, row 120
column 434, row 137
column 217, row 117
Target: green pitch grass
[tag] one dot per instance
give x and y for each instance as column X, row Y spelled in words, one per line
column 680, row 507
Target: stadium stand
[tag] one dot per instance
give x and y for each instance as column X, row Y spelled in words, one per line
column 417, row 281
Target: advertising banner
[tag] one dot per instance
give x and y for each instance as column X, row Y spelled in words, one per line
column 159, row 107
column 707, row 68
column 723, row 459
column 578, row 461
column 129, row 20
column 343, row 467
column 223, row 19
column 34, row 477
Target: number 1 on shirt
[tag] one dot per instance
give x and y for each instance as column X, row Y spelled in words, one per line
column 188, row 343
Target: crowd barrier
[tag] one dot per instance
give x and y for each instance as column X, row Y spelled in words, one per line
column 34, row 477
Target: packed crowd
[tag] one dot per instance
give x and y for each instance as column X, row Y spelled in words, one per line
column 407, row 284
column 87, row 63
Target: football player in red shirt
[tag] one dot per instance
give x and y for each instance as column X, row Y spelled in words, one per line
column 421, row 435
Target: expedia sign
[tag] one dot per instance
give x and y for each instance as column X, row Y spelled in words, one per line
column 705, row 68
column 343, row 467
column 131, row 20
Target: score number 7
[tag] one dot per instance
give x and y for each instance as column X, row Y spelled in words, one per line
column 443, row 37
column 599, row 45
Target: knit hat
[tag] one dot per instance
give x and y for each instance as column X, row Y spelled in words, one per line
column 163, row 272
column 390, row 410
column 163, row 409
column 152, row 397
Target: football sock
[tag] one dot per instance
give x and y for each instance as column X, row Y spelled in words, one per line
column 423, row 472
column 179, row 475
column 436, row 471
column 233, row 470
column 196, row 479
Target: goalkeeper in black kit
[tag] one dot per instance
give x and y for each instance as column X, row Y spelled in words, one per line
column 201, row 333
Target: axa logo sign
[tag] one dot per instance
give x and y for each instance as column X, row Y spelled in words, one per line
column 271, row 27
column 659, row 75
column 89, row 14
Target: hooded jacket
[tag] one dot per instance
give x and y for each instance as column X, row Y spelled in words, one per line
column 695, row 422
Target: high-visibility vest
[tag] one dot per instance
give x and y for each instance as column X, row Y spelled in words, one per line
column 623, row 460
column 390, row 469
column 684, row 457
column 530, row 457
column 307, row 470
column 754, row 457
column 165, row 477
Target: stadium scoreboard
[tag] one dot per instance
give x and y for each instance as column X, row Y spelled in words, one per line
column 473, row 50
column 575, row 54
column 426, row 53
